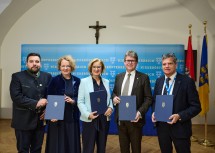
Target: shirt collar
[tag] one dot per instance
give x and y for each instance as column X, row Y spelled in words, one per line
column 172, row 76
column 33, row 74
column 132, row 73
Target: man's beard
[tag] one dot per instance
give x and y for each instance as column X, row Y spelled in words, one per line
column 33, row 70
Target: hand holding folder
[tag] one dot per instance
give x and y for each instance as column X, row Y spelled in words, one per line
column 98, row 101
column 55, row 107
column 127, row 108
column 163, row 107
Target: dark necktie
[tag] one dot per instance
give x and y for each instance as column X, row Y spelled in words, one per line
column 167, row 84
column 126, row 86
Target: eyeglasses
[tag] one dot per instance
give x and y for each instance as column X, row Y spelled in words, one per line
column 130, row 61
column 65, row 66
column 96, row 67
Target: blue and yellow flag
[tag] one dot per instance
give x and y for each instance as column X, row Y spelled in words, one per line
column 203, row 79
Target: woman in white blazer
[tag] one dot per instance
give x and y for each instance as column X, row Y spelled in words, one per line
column 95, row 126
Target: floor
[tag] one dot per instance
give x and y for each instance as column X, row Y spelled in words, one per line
column 149, row 143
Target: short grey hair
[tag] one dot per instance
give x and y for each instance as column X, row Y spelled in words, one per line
column 169, row 55
column 132, row 54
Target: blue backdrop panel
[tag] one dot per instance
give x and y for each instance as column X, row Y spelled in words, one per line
column 113, row 58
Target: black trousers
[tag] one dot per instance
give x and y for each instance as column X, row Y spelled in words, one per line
column 166, row 138
column 95, row 132
column 29, row 141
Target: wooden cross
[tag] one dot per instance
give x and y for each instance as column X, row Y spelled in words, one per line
column 97, row 27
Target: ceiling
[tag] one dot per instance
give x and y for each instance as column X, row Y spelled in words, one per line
column 203, row 10
column 4, row 4
column 12, row 10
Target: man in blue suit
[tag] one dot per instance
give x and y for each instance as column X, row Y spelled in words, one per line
column 28, row 93
column 186, row 105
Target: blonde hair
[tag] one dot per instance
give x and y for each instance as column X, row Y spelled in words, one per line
column 93, row 61
column 69, row 59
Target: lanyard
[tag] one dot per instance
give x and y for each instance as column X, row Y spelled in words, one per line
column 168, row 89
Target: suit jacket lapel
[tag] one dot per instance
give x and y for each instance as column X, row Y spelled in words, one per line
column 136, row 81
column 177, row 84
column 90, row 84
column 160, row 85
column 121, row 77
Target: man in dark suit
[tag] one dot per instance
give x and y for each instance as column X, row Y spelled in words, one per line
column 186, row 105
column 130, row 132
column 28, row 92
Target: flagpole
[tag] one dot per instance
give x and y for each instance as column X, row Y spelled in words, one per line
column 193, row 138
column 190, row 26
column 205, row 142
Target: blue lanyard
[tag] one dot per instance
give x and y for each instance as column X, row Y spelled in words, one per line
column 168, row 89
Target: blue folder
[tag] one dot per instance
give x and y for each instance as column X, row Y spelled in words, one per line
column 127, row 108
column 55, row 107
column 98, row 101
column 163, row 107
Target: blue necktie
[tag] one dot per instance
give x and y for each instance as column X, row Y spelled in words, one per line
column 167, row 84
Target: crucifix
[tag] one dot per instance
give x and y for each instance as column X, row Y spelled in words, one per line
column 97, row 27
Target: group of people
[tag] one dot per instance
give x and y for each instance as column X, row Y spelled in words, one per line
column 29, row 90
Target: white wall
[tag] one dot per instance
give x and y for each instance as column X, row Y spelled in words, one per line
column 67, row 22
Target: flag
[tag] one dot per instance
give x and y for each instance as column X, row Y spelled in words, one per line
column 189, row 60
column 203, row 79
